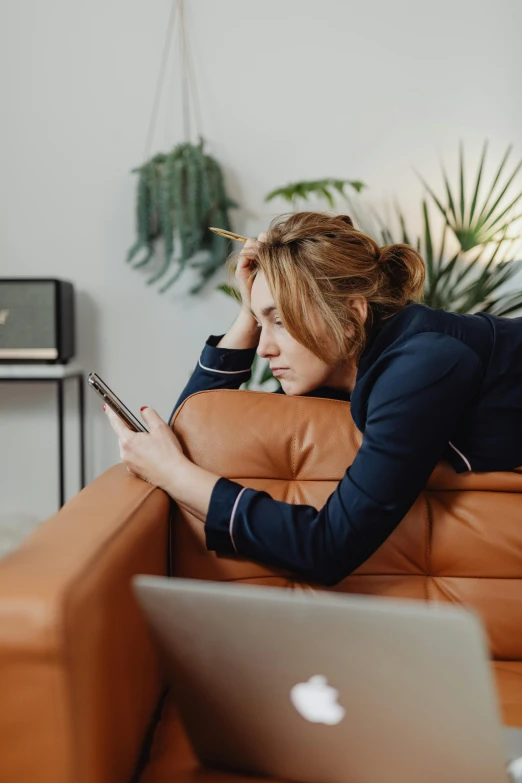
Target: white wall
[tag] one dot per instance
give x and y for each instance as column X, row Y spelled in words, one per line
column 289, row 88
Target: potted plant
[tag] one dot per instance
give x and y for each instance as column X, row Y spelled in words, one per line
column 179, row 195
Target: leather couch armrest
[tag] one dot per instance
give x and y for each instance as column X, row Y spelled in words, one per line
column 79, row 678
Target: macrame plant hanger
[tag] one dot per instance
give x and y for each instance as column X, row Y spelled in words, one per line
column 189, row 92
column 183, row 192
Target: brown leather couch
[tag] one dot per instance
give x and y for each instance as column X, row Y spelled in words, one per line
column 82, row 694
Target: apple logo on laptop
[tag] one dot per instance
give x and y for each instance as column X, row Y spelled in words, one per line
column 317, row 701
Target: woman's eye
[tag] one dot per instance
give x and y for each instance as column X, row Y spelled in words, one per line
column 278, row 323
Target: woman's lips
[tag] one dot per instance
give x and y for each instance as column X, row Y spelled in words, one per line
column 279, row 371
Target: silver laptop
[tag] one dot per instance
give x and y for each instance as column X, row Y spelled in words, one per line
column 322, row 688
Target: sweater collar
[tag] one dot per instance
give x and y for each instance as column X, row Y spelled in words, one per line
column 382, row 334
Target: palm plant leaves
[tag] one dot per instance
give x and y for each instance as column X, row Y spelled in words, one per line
column 179, row 195
column 480, row 220
column 230, row 291
column 322, row 188
column 458, row 282
column 506, row 305
column 485, row 217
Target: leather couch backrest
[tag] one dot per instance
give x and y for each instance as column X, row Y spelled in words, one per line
column 461, row 542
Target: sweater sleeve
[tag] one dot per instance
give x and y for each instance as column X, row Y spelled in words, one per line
column 413, row 410
column 218, row 368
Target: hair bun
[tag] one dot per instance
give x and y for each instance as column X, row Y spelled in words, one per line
column 405, row 270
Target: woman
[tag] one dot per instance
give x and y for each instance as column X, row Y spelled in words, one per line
column 336, row 317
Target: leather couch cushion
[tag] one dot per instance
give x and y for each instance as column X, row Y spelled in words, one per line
column 460, row 542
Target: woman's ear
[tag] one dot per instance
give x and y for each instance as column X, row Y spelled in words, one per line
column 360, row 305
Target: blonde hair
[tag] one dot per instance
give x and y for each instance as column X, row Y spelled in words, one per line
column 316, row 260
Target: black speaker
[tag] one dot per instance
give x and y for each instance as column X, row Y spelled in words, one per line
column 36, row 320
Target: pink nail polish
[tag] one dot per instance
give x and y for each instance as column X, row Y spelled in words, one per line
column 104, row 407
column 143, row 407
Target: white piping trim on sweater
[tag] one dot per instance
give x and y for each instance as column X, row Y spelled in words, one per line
column 223, row 372
column 461, row 455
column 231, row 524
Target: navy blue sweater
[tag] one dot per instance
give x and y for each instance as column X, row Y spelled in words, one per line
column 430, row 385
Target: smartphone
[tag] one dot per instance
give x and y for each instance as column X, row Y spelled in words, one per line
column 116, row 404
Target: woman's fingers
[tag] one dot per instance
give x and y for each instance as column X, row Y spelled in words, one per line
column 250, row 250
column 248, row 254
column 152, row 419
column 119, row 427
column 246, row 265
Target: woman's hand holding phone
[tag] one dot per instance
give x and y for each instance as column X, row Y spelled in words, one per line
column 152, row 455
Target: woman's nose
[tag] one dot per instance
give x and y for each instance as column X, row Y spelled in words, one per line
column 266, row 347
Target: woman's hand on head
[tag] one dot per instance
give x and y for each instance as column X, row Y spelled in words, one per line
column 153, row 455
column 246, row 264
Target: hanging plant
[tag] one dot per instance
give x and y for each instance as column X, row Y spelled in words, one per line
column 179, row 195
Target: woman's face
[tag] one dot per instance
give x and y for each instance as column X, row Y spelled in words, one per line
column 301, row 371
